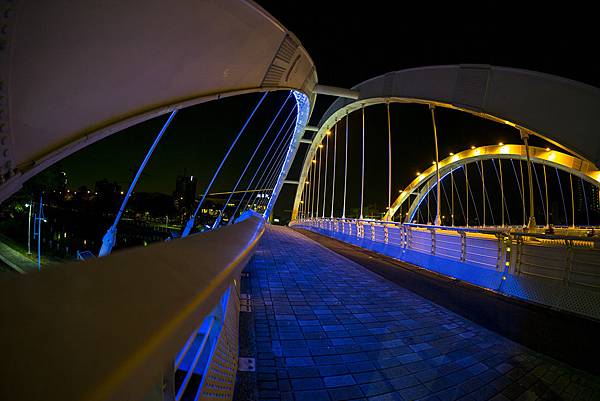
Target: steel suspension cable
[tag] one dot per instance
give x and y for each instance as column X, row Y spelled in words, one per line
column 334, row 163
column 273, row 180
column 437, row 167
column 562, row 196
column 325, row 184
column 264, row 158
column 273, row 157
column 109, row 239
column 467, row 190
column 546, row 193
column 362, row 171
column 485, row 197
column 500, row 179
column 587, row 214
column 319, row 162
column 239, row 180
column 539, row 187
column 271, row 168
column 452, row 196
column 190, row 223
column 519, row 186
column 345, row 169
column 389, row 124
column 446, row 197
column 572, row 200
column 459, row 201
column 472, row 198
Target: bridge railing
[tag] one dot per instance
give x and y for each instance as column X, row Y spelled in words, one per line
column 562, row 271
column 141, row 324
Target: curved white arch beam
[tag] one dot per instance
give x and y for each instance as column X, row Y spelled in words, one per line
column 560, row 110
column 427, row 179
column 74, row 72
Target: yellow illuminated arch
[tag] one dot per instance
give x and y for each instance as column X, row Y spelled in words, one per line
column 553, row 158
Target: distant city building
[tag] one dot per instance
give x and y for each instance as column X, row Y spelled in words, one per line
column 185, row 192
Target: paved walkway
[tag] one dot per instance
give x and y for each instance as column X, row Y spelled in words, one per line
column 328, row 329
column 15, row 260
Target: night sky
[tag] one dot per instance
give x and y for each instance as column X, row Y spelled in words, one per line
column 348, row 45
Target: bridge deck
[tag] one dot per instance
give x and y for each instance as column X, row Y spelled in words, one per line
column 328, row 329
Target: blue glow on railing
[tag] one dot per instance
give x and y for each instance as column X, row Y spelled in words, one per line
column 196, row 355
column 303, row 105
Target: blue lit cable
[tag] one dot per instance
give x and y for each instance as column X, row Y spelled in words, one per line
column 267, row 153
column 274, row 156
column 274, row 171
column 272, row 174
column 190, row 223
column 109, row 239
column 262, row 139
column 260, row 182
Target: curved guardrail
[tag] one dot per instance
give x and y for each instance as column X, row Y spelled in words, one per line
column 560, row 271
column 112, row 328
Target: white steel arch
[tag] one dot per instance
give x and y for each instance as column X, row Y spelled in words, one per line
column 562, row 111
column 74, row 72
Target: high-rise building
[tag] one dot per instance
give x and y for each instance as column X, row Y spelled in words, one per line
column 185, row 191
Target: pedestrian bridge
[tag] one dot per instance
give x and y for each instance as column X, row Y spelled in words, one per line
column 255, row 311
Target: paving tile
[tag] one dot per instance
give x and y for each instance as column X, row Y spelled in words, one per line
column 345, row 393
column 328, row 329
column 309, row 383
column 339, row 381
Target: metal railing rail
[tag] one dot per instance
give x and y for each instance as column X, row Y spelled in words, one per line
column 111, row 328
column 573, row 260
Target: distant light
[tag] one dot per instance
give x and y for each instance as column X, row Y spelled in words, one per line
column 472, row 147
column 88, row 192
column 191, row 178
column 418, row 173
column 121, row 192
column 328, row 132
column 314, row 161
column 321, row 145
column 451, row 154
column 277, row 220
column 547, row 149
column 27, row 205
column 401, row 191
column 500, row 144
column 307, row 182
column 433, row 162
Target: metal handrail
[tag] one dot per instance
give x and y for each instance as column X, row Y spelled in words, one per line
column 110, row 326
column 479, row 230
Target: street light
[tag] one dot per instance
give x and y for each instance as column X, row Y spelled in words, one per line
column 30, row 206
